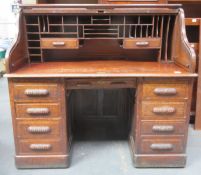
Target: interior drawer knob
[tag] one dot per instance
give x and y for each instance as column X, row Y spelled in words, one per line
column 164, row 110
column 40, row 147
column 163, row 128
column 142, row 43
column 165, row 91
column 161, row 146
column 38, row 111
column 38, row 129
column 36, row 92
column 58, row 43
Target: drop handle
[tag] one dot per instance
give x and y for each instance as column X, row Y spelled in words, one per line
column 163, row 128
column 142, row 43
column 161, row 146
column 58, row 43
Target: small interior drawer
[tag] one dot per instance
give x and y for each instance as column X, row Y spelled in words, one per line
column 38, row 110
column 163, row 110
column 165, row 145
column 36, row 91
column 163, row 127
column 142, row 43
column 27, row 129
column 59, row 43
column 192, row 21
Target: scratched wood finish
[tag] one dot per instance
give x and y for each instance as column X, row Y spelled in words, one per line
column 101, row 69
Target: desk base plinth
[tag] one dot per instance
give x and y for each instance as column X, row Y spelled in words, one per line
column 44, row 161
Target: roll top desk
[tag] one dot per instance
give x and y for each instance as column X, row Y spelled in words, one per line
column 74, row 63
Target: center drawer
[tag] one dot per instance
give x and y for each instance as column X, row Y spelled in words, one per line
column 160, row 110
column 100, row 83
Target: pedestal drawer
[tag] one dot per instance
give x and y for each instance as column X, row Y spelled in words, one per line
column 163, row 127
column 27, row 129
column 162, row 145
column 38, row 110
column 40, row 147
column 36, row 91
column 163, row 110
column 165, row 90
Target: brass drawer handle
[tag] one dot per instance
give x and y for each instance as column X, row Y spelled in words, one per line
column 163, row 128
column 38, row 111
column 142, row 43
column 58, row 43
column 102, row 82
column 165, row 91
column 161, row 146
column 119, row 83
column 38, row 129
column 36, row 92
column 40, row 147
column 83, row 84
column 164, row 110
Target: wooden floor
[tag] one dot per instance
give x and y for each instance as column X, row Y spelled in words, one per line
column 101, row 69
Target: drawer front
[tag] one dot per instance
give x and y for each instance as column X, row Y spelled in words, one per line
column 165, row 91
column 38, row 110
column 133, row 1
column 142, row 43
column 27, row 129
column 163, row 110
column 162, row 145
column 163, row 127
column 108, row 83
column 59, row 43
column 40, row 147
column 35, row 91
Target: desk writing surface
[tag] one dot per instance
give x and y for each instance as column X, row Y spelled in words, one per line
column 101, row 69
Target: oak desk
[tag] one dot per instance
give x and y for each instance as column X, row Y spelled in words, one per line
column 128, row 66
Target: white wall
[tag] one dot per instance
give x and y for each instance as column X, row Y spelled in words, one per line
column 7, row 20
